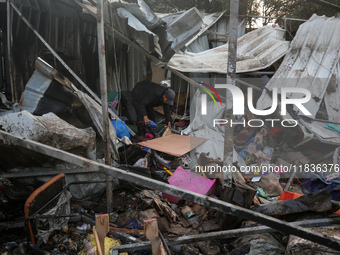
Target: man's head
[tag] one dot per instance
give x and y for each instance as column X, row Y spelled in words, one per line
column 170, row 96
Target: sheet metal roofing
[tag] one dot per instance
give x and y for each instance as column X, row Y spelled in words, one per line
column 138, row 23
column 255, row 51
column 310, row 62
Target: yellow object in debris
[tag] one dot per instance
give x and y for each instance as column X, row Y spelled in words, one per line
column 257, row 171
column 202, row 171
column 90, row 246
column 169, row 172
column 167, row 132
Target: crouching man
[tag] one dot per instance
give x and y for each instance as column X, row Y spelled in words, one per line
column 148, row 95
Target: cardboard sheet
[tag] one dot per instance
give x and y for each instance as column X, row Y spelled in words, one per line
column 175, row 145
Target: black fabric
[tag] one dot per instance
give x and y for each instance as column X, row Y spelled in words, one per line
column 127, row 106
column 146, row 96
column 57, row 99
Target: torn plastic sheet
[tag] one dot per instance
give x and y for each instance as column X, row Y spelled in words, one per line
column 51, row 224
column 90, row 191
column 202, row 126
column 95, row 111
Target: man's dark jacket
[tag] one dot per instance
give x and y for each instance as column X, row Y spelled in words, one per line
column 148, row 94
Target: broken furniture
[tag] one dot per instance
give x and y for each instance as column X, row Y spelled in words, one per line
column 49, row 199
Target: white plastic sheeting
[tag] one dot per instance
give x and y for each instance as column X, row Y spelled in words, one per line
column 310, row 62
column 255, row 51
column 51, row 130
column 202, row 126
column 62, row 208
column 95, row 111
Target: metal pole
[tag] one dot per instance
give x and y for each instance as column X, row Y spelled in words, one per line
column 103, row 93
column 103, row 79
column 224, row 234
column 54, row 53
column 9, row 53
column 231, row 76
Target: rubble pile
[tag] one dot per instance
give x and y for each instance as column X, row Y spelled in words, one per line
column 168, row 173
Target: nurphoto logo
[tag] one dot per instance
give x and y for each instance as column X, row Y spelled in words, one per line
column 238, row 105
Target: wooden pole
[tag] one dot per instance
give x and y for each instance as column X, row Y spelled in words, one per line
column 102, row 228
column 9, row 54
column 231, row 76
column 104, row 99
column 103, row 79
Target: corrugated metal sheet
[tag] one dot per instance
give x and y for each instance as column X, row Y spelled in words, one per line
column 126, row 23
column 219, row 32
column 310, row 62
column 38, row 92
column 200, row 42
column 332, row 98
column 138, row 23
column 208, row 21
column 256, row 50
column 34, row 91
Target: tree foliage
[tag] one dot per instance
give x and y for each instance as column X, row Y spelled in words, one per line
column 277, row 9
column 301, row 9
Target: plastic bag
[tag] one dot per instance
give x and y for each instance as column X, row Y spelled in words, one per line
column 121, row 129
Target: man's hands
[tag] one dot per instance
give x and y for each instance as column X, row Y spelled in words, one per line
column 146, row 120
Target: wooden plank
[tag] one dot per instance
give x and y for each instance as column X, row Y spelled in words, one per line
column 96, row 238
column 151, row 232
column 175, row 145
column 102, row 228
